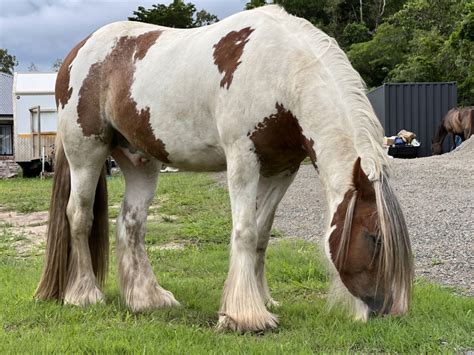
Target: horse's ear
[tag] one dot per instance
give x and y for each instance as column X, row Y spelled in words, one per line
column 361, row 182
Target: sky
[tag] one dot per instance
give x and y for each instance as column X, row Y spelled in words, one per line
column 42, row 31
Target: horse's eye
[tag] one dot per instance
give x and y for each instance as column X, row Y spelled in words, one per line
column 375, row 239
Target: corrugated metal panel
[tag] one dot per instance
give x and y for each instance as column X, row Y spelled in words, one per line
column 377, row 99
column 416, row 107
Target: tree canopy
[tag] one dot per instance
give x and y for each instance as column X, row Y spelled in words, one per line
column 7, row 62
column 177, row 14
column 427, row 40
column 398, row 40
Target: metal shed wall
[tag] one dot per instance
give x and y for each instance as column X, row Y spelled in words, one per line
column 416, row 107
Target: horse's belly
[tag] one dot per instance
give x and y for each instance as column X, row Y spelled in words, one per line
column 197, row 157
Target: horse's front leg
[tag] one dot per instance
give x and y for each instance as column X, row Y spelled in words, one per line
column 242, row 306
column 140, row 288
column 270, row 193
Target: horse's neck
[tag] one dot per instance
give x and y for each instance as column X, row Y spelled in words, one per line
column 337, row 145
column 441, row 133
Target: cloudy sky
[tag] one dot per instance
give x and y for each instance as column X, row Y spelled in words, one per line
column 41, row 31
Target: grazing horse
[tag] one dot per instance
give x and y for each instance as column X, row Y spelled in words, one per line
column 254, row 94
column 458, row 121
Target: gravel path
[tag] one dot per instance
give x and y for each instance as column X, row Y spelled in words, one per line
column 437, row 196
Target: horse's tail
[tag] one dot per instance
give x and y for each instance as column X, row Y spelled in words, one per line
column 55, row 274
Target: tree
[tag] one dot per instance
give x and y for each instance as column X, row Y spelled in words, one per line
column 177, row 15
column 57, row 65
column 204, row 18
column 426, row 40
column 252, row 4
column 315, row 11
column 32, row 67
column 345, row 20
column 7, row 62
column 375, row 59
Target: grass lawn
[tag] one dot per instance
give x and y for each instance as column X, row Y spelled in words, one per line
column 187, row 241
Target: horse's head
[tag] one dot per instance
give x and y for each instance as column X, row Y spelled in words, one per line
column 369, row 247
column 436, row 148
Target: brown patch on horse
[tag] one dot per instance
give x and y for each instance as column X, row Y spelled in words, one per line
column 280, row 144
column 227, row 53
column 63, row 92
column 144, row 42
column 356, row 255
column 107, row 87
column 88, row 107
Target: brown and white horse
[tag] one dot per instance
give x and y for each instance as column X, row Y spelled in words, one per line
column 458, row 121
column 255, row 93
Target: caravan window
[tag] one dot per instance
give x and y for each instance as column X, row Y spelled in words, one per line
column 6, row 139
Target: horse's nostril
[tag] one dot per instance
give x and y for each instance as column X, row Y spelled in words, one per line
column 376, row 305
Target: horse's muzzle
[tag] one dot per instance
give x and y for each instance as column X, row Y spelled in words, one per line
column 376, row 305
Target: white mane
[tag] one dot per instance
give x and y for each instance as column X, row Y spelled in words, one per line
column 359, row 114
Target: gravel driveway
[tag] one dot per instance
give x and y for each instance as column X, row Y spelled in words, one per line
column 437, row 196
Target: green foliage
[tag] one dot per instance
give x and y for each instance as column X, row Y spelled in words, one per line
column 312, row 10
column 7, row 62
column 376, row 58
column 25, row 195
column 56, row 65
column 399, row 40
column 204, row 18
column 354, row 32
column 177, row 14
column 427, row 40
column 254, row 4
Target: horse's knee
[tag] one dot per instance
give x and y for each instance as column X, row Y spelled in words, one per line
column 80, row 219
column 245, row 238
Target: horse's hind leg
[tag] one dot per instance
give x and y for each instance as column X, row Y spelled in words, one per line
column 139, row 287
column 242, row 305
column 270, row 192
column 82, row 287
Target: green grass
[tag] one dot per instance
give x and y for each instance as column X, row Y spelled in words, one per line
column 194, row 212
column 25, row 195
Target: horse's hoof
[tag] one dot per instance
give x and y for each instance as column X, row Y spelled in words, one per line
column 250, row 324
column 82, row 297
column 271, row 303
column 158, row 298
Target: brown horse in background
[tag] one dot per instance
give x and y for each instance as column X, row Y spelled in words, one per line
column 458, row 121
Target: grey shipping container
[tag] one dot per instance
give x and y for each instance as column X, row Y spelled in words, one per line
column 415, row 107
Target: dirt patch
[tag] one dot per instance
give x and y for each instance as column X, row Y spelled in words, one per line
column 168, row 246
column 27, row 230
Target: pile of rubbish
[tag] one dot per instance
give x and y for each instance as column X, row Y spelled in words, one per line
column 403, row 138
column 403, row 145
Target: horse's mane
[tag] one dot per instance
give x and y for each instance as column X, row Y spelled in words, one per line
column 396, row 261
column 359, row 114
column 396, row 258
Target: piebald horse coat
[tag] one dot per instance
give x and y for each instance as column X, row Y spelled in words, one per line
column 254, row 94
